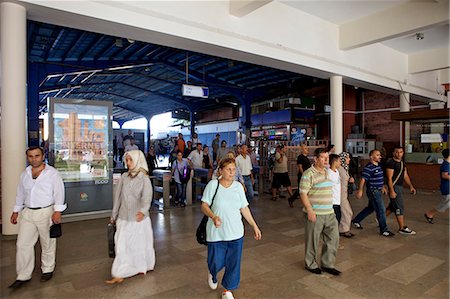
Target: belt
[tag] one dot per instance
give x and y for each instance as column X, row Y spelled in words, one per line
column 246, row 176
column 38, row 208
column 375, row 188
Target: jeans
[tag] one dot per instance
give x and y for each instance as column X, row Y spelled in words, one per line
column 375, row 204
column 249, row 187
column 181, row 193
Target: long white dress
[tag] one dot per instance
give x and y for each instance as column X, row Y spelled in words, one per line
column 133, row 240
column 134, row 248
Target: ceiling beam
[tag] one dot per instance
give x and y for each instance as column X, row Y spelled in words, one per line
column 241, row 8
column 401, row 20
column 431, row 60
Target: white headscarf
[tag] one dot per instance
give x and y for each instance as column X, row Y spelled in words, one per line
column 140, row 164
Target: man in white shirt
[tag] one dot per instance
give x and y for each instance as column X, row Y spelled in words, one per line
column 196, row 157
column 244, row 162
column 40, row 200
column 132, row 146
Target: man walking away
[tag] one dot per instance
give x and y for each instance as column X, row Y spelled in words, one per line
column 303, row 164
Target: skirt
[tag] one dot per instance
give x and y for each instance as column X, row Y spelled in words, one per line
column 134, row 248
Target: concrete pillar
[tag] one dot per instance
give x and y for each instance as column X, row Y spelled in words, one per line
column 337, row 127
column 404, row 107
column 13, row 57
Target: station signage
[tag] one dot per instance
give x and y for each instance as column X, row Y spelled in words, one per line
column 195, row 91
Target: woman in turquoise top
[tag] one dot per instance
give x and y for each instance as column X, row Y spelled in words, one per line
column 225, row 229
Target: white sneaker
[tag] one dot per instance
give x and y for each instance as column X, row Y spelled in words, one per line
column 211, row 284
column 406, row 231
column 227, row 295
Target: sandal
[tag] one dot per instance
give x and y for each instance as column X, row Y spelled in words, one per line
column 274, row 199
column 429, row 219
column 347, row 234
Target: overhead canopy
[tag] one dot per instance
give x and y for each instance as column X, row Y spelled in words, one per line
column 143, row 79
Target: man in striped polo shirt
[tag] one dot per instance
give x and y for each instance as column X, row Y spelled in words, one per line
column 373, row 177
column 317, row 198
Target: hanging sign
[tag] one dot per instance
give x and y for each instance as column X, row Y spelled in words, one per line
column 195, row 91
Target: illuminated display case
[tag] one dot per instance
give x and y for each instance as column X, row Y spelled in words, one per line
column 80, row 148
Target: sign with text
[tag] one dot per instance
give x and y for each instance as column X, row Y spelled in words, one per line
column 195, row 91
column 430, row 138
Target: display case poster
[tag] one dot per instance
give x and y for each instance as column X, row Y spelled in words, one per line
column 80, row 142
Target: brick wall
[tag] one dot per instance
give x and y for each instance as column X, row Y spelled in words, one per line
column 380, row 123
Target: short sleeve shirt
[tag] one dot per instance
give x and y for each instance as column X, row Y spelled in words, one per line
column 304, row 161
column 445, row 186
column 227, row 205
column 373, row 174
column 397, row 167
column 280, row 167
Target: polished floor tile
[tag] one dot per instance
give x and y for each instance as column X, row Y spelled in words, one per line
column 372, row 266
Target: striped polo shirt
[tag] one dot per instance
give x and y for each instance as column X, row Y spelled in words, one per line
column 318, row 187
column 373, row 174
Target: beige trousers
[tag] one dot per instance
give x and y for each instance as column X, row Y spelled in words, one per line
column 34, row 224
column 325, row 228
column 346, row 215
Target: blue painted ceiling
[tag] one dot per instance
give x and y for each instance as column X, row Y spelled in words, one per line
column 144, row 79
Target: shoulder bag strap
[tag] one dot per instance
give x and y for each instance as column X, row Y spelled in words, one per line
column 399, row 174
column 214, row 196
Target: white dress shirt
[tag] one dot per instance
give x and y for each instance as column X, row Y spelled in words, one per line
column 244, row 164
column 196, row 158
column 46, row 190
column 131, row 147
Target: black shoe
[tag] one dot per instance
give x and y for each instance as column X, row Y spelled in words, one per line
column 357, row 225
column 315, row 271
column 429, row 219
column 291, row 201
column 18, row 283
column 46, row 276
column 387, row 234
column 332, row 271
column 346, row 235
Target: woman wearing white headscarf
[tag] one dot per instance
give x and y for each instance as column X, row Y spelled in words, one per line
column 346, row 209
column 134, row 234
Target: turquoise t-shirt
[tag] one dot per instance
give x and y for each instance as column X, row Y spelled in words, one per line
column 227, row 205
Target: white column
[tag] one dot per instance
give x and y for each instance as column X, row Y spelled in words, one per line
column 337, row 127
column 404, row 107
column 13, row 57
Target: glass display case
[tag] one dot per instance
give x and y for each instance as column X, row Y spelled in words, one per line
column 80, row 143
column 80, row 148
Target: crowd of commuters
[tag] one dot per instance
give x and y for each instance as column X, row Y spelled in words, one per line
column 323, row 188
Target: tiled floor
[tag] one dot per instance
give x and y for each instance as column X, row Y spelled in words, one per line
column 373, row 266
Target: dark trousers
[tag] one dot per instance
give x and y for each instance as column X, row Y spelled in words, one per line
column 337, row 211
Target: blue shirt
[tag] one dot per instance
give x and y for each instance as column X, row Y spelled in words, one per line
column 445, row 186
column 373, row 174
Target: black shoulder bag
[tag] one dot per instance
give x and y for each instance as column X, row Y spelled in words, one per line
column 201, row 229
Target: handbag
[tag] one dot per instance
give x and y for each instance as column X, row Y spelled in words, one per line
column 55, row 230
column 111, row 231
column 185, row 176
column 201, row 229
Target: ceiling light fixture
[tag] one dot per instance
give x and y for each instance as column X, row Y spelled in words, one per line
column 419, row 35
